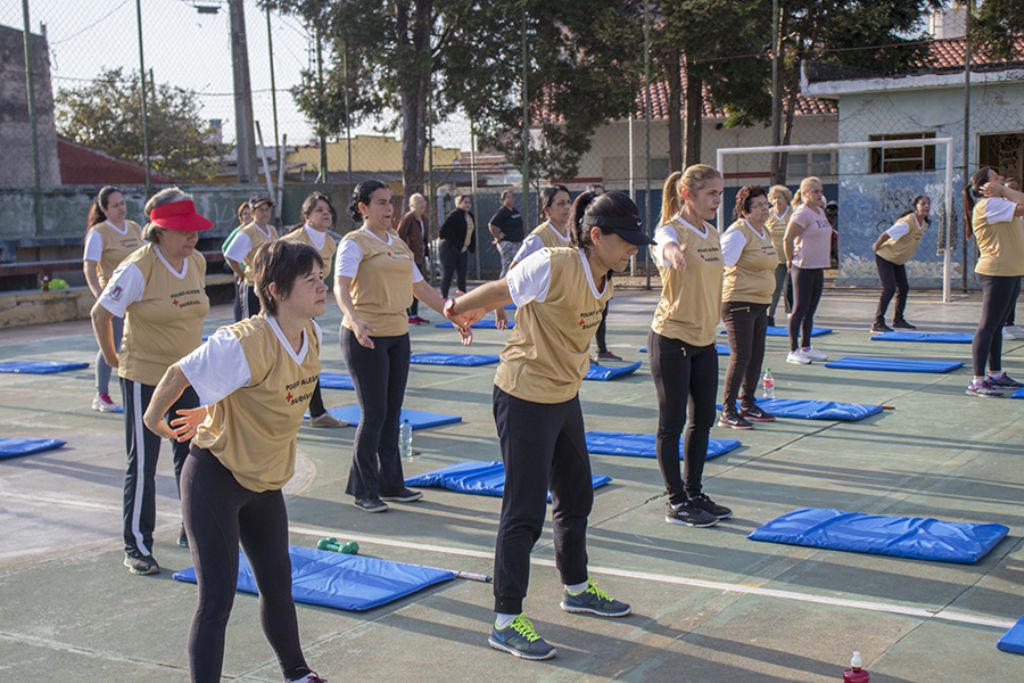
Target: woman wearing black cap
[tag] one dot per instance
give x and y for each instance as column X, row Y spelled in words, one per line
column 560, row 293
column 239, row 253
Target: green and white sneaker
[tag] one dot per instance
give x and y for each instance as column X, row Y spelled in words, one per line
column 594, row 601
column 520, row 639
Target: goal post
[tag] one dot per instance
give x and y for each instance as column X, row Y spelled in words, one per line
column 863, row 197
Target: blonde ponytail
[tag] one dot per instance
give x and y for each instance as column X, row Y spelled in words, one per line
column 805, row 184
column 692, row 179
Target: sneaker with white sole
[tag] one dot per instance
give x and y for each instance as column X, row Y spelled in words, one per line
column 983, row 388
column 141, row 565
column 102, row 403
column 595, row 601
column 798, row 357
column 1003, row 381
column 520, row 638
column 1016, row 330
column 814, row 354
column 1007, row 334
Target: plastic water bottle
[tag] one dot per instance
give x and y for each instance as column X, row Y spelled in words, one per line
column 855, row 674
column 768, row 384
column 335, row 546
column 405, row 440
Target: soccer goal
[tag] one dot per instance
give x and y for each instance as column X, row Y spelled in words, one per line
column 874, row 183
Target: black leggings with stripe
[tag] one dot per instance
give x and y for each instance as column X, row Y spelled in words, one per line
column 998, row 297
column 143, row 449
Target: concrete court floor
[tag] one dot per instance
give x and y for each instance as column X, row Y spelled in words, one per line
column 709, row 605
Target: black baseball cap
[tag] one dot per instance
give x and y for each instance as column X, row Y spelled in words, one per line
column 256, row 200
column 628, row 228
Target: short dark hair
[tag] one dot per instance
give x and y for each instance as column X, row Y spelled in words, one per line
column 746, row 195
column 281, row 262
column 548, row 194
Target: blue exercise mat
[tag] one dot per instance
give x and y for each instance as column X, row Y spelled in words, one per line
column 915, row 538
column 775, row 331
column 805, row 409
column 603, row 373
column 1013, row 640
column 723, row 349
column 643, row 445
column 349, row 582
column 335, row 380
column 465, row 360
column 417, row 418
column 486, row 324
column 12, row 448
column 894, row 364
column 479, row 478
column 925, row 337
column 1018, row 394
column 39, row 367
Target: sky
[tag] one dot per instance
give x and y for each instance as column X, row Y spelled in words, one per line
column 187, row 49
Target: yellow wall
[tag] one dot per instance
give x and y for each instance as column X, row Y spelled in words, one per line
column 370, row 153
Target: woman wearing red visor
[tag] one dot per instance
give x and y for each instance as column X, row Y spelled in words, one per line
column 160, row 290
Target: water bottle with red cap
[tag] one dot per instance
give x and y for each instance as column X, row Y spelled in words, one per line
column 855, row 674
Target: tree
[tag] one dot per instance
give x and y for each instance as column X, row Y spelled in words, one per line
column 106, row 114
column 997, row 25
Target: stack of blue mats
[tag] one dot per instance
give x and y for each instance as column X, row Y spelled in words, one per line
column 643, row 445
column 479, row 478
column 926, row 337
column 12, row 448
column 335, row 380
column 486, row 324
column 1013, row 640
column 39, row 367
column 894, row 364
column 603, row 373
column 805, row 409
column 417, row 418
column 465, row 360
column 916, row 538
column 350, row 582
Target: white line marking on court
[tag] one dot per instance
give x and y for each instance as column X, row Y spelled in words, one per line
column 919, row 612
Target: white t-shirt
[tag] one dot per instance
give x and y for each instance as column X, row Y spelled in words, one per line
column 733, row 241
column 218, row 367
column 533, row 244
column 94, row 242
column 665, row 235
column 350, row 254
column 999, row 210
column 241, row 245
column 531, row 279
column 126, row 285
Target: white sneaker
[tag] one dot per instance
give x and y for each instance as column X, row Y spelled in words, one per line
column 798, row 357
column 102, row 403
column 1016, row 330
column 1008, row 334
column 814, row 354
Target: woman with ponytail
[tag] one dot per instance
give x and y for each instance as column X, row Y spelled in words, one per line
column 560, row 293
column 808, row 244
column 375, row 280
column 684, row 362
column 109, row 239
column 994, row 213
column 893, row 249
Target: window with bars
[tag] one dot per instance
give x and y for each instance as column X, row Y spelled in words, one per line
column 902, row 159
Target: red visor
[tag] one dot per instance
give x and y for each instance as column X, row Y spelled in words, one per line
column 180, row 216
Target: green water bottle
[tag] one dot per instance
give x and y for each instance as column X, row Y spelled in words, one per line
column 335, row 546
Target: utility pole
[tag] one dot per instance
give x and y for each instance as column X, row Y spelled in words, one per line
column 647, row 134
column 273, row 89
column 348, row 115
column 526, row 124
column 142, row 90
column 245, row 135
column 37, row 185
column 322, row 178
column 778, row 176
column 969, row 8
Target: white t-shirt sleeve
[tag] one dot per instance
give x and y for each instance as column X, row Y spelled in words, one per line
column 530, row 245
column 126, row 286
column 217, row 368
column 663, row 236
column 239, row 247
column 93, row 246
column 531, row 279
column 417, row 276
column 732, row 243
column 346, row 263
column 999, row 210
column 897, row 231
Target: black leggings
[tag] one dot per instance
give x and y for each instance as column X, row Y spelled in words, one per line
column 218, row 513
column 998, row 297
column 379, row 376
column 783, row 288
column 747, row 325
column 894, row 281
column 602, row 331
column 808, row 284
column 542, row 444
column 686, row 380
column 454, row 262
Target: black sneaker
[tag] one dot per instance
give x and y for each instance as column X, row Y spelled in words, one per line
column 404, row 496
column 903, row 325
column 371, row 505
column 709, row 506
column 880, row 327
column 734, row 422
column 689, row 514
column 755, row 413
column 141, row 565
column 182, row 537
column 1004, row 381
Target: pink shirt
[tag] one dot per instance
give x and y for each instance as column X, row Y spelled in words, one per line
column 812, row 248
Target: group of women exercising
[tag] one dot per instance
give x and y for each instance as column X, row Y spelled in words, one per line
column 232, row 406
